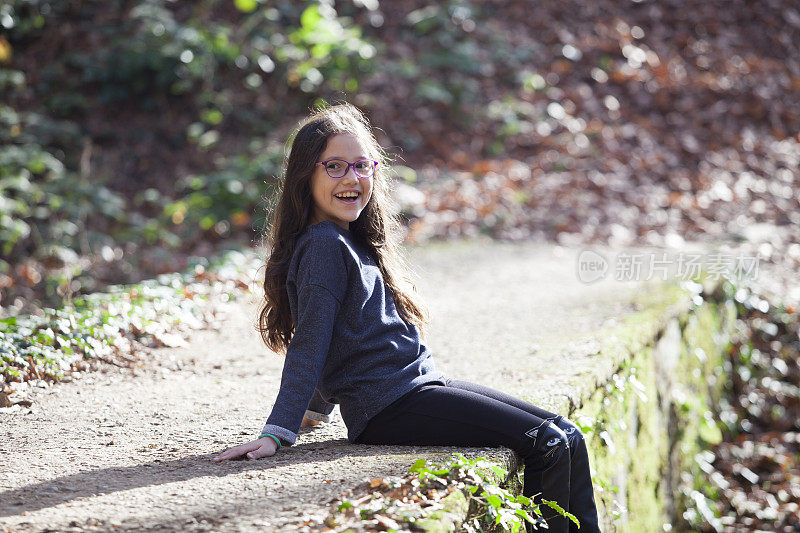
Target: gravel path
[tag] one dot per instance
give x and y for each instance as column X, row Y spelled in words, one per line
column 129, row 450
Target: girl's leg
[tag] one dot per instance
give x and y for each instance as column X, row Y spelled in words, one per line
column 581, row 495
column 437, row 415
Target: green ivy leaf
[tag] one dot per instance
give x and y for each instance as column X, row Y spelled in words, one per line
column 561, row 511
column 522, row 513
column 418, row 466
column 494, row 501
column 499, row 471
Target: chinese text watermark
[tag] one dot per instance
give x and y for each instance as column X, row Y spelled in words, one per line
column 646, row 266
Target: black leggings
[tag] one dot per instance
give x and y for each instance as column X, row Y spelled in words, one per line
column 464, row 414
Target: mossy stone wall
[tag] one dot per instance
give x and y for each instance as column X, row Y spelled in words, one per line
column 647, row 423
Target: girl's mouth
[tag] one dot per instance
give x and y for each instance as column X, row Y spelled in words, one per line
column 348, row 200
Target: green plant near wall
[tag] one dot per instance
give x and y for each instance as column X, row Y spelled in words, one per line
column 457, row 487
column 602, row 431
column 498, row 507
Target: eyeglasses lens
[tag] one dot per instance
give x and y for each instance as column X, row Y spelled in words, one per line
column 364, row 169
column 337, row 169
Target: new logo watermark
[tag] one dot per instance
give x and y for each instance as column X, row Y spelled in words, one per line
column 591, row 266
column 644, row 266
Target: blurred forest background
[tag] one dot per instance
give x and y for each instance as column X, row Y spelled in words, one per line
column 137, row 133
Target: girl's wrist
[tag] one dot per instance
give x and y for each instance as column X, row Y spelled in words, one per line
column 273, row 437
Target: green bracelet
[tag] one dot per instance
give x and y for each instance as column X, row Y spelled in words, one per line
column 276, row 439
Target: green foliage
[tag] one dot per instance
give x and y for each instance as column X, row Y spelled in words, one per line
column 57, row 213
column 449, row 69
column 101, row 325
column 155, row 52
column 436, row 497
column 327, row 49
column 46, row 209
column 223, row 200
column 498, row 508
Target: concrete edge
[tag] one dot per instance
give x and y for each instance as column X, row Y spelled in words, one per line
column 654, row 307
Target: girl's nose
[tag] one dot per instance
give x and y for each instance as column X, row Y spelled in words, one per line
column 350, row 175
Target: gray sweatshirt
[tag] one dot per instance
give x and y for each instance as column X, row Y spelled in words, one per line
column 350, row 345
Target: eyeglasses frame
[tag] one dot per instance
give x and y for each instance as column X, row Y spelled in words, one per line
column 349, row 165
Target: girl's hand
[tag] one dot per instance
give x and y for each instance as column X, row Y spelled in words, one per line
column 263, row 447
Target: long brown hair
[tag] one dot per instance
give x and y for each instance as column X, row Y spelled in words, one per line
column 376, row 228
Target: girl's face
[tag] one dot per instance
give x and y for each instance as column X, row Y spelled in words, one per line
column 324, row 188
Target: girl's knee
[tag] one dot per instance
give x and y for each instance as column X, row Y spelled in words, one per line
column 548, row 442
column 572, row 432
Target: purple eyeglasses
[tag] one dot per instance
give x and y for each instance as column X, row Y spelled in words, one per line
column 337, row 168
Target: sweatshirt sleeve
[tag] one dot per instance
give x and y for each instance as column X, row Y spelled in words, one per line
column 319, row 409
column 321, row 282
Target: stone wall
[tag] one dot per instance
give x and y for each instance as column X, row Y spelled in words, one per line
column 645, row 424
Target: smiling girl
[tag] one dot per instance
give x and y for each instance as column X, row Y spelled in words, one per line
column 337, row 302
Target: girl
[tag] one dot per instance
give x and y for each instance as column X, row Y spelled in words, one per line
column 337, row 303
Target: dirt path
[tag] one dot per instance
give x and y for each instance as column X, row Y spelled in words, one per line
column 130, row 450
